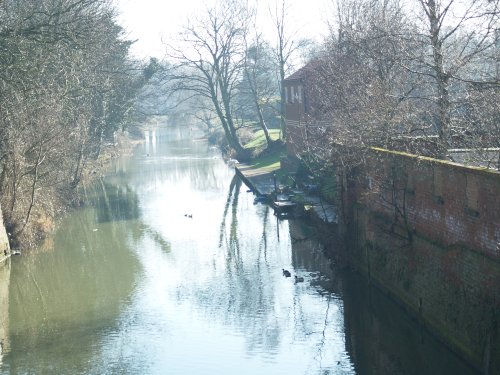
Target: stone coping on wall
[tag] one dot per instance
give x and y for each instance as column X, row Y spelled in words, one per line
column 465, row 168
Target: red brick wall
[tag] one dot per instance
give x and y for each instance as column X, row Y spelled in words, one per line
column 448, row 203
column 428, row 231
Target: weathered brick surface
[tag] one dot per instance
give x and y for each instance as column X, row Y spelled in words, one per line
column 448, row 203
column 429, row 232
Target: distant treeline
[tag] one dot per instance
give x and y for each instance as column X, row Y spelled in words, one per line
column 66, row 85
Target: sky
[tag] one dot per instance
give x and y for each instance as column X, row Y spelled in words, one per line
column 154, row 22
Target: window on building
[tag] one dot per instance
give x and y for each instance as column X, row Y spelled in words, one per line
column 299, row 94
column 292, row 94
column 286, row 94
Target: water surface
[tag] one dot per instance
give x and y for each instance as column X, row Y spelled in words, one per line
column 171, row 268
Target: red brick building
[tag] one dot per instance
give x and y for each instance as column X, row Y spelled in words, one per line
column 306, row 130
column 297, row 110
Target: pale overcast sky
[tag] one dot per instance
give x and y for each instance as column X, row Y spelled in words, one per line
column 151, row 20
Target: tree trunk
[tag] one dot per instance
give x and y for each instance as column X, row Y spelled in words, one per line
column 262, row 122
column 282, row 102
column 442, row 79
column 255, row 95
column 234, row 142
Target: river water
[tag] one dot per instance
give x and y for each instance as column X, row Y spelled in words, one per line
column 170, row 268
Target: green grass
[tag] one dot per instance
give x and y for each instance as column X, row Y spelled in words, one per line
column 268, row 160
column 259, row 139
column 271, row 161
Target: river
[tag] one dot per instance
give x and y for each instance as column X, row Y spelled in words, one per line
column 170, row 268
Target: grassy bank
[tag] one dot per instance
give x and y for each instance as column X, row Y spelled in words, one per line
column 264, row 156
column 258, row 142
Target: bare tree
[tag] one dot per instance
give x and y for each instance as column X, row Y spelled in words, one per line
column 457, row 37
column 258, row 83
column 210, row 62
column 358, row 95
column 388, row 78
column 287, row 44
column 66, row 84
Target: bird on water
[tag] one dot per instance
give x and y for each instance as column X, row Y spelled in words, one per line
column 286, row 273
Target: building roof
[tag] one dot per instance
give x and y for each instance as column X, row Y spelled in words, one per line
column 303, row 72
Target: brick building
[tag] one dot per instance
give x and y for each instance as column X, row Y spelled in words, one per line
column 295, row 98
column 304, row 127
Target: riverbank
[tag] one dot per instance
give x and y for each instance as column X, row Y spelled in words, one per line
column 265, row 176
column 48, row 209
column 124, row 145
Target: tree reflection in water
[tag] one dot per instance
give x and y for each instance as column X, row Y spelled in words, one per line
column 250, row 294
column 114, row 202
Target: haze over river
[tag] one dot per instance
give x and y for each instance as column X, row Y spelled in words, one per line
column 131, row 285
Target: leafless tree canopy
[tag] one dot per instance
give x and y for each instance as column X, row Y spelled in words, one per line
column 66, row 85
column 209, row 62
column 420, row 76
column 224, row 61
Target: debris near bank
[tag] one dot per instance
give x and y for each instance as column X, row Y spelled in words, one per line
column 289, row 197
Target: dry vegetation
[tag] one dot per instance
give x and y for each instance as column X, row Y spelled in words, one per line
column 67, row 86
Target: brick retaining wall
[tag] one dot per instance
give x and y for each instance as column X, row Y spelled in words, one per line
column 428, row 231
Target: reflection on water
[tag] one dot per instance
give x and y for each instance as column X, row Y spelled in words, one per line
column 115, row 203
column 384, row 340
column 171, row 269
column 65, row 294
